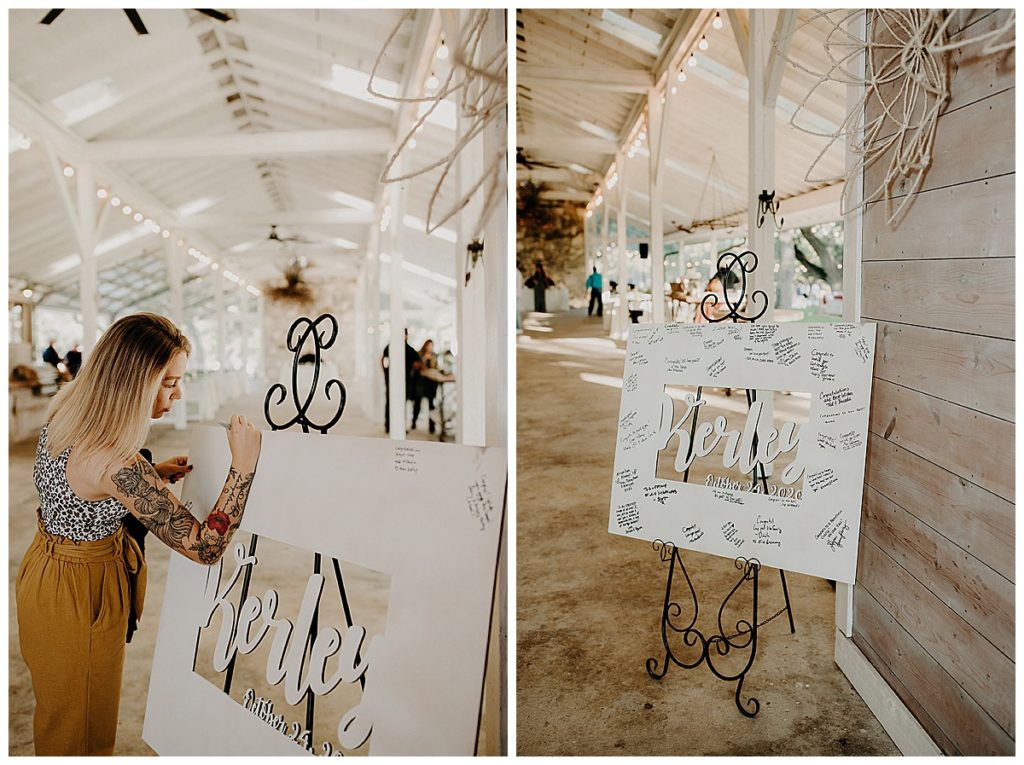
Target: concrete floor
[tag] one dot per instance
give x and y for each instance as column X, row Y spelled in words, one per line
column 588, row 603
column 165, row 442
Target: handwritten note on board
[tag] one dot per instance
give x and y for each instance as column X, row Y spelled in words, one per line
column 789, row 521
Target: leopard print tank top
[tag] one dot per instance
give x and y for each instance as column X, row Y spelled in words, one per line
column 62, row 511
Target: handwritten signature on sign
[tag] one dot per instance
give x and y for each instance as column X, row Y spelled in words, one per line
column 479, row 502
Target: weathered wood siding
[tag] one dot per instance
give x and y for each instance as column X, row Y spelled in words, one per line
column 934, row 601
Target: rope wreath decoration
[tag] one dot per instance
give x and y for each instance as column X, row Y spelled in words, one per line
column 906, row 87
column 479, row 82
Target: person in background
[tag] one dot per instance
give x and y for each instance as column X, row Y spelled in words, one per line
column 412, row 366
column 50, row 355
column 539, row 282
column 427, row 388
column 594, row 284
column 74, row 360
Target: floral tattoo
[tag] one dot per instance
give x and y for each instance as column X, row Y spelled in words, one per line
column 172, row 523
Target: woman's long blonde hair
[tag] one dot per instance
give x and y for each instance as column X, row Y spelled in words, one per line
column 108, row 406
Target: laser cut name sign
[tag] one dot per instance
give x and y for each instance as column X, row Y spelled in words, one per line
column 808, row 427
column 357, row 501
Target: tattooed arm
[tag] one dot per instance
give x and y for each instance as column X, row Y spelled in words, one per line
column 138, row 486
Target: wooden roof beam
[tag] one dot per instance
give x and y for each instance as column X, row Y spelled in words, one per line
column 614, row 79
column 300, row 142
column 565, row 145
column 341, row 216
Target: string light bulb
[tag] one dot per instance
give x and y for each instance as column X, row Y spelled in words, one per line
column 692, row 61
column 101, row 193
column 717, row 23
column 127, row 210
column 703, row 44
column 442, row 52
column 432, row 82
column 674, row 90
column 115, row 201
column 681, row 77
column 68, row 171
column 138, row 217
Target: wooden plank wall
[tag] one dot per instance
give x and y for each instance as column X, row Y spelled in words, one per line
column 934, row 601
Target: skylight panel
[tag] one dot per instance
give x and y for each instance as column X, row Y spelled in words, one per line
column 441, row 233
column 597, row 130
column 630, row 32
column 350, row 200
column 352, row 82
column 86, row 100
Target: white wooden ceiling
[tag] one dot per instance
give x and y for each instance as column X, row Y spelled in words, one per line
column 262, row 73
column 577, row 127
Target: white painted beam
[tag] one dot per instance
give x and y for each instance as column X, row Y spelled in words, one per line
column 86, row 230
column 656, row 123
column 34, row 120
column 607, row 78
column 341, row 216
column 738, row 22
column 620, row 326
column 565, row 194
column 564, row 145
column 781, row 39
column 421, row 48
column 271, row 144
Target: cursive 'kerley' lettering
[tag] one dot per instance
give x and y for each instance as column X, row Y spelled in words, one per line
column 285, row 659
column 738, row 447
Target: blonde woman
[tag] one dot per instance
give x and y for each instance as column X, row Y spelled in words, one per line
column 83, row 574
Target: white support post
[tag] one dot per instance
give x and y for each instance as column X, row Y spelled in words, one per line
column 375, row 346
column 761, row 158
column 621, row 319
column 606, row 267
column 495, row 142
column 852, row 258
column 396, row 311
column 261, row 370
column 173, row 255
column 87, row 251
column 588, row 254
column 218, row 302
column 361, row 371
column 471, row 372
column 761, row 176
column 242, row 328
column 655, row 133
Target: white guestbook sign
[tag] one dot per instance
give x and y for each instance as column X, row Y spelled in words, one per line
column 414, row 528
column 684, row 465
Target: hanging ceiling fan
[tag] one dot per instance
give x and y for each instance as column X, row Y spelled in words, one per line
column 136, row 20
column 273, row 236
column 523, row 159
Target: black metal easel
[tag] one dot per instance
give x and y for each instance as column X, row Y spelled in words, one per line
column 745, row 633
column 303, row 329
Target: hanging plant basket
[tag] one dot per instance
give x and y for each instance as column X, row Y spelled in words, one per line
column 295, row 289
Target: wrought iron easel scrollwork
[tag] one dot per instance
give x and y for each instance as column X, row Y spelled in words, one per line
column 743, row 635
column 322, row 331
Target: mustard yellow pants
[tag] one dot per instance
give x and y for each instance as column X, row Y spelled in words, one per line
column 73, row 603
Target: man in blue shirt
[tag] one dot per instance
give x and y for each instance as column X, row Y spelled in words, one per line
column 594, row 285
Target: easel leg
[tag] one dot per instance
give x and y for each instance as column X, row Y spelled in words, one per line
column 348, row 612
column 751, row 702
column 789, row 607
column 652, row 663
column 310, row 696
